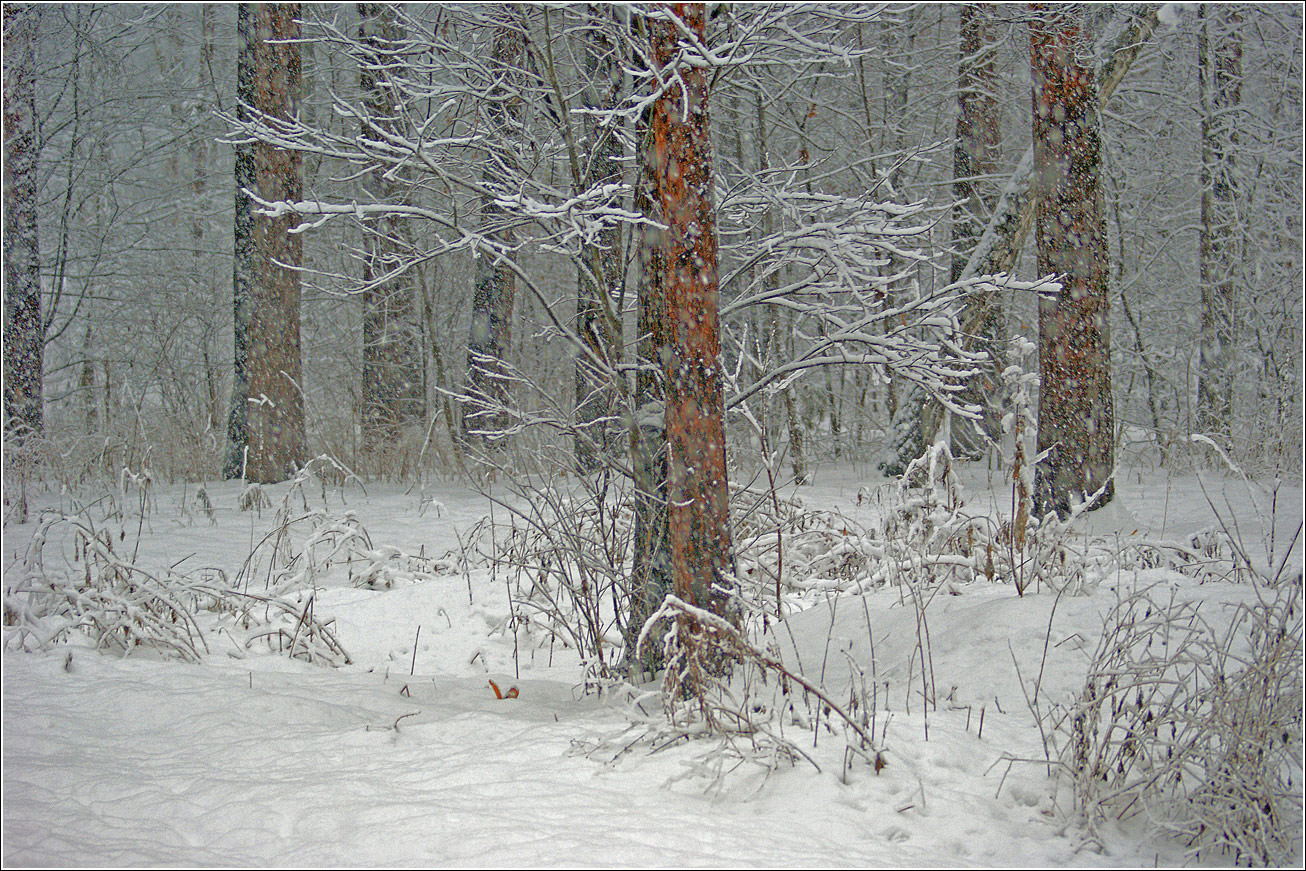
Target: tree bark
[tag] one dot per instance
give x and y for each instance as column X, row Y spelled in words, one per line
column 276, row 403
column 485, row 419
column 24, row 331
column 778, row 339
column 393, row 390
column 1076, row 417
column 697, row 488
column 1220, row 68
column 651, row 565
column 975, row 160
column 913, row 417
column 242, row 267
column 1005, row 235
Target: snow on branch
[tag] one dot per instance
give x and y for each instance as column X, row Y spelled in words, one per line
column 851, row 273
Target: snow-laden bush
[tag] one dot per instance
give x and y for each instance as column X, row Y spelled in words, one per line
column 283, row 564
column 565, row 550
column 74, row 580
column 722, row 686
column 786, row 550
column 283, row 624
column 98, row 592
column 926, row 541
column 1196, row 726
column 305, row 544
column 927, row 535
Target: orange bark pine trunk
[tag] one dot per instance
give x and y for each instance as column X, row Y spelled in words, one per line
column 1076, row 420
column 697, row 491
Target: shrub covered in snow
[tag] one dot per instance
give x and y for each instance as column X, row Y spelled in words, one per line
column 1197, row 724
column 74, row 580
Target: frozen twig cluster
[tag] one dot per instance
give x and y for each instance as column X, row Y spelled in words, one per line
column 74, row 581
column 719, row 684
column 567, row 548
column 285, row 565
column 1198, row 727
column 99, row 592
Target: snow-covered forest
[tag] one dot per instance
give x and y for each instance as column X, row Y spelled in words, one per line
column 649, row 434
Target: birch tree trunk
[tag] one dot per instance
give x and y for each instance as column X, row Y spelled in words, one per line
column 1076, row 422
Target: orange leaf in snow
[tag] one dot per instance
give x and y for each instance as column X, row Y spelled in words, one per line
column 498, row 694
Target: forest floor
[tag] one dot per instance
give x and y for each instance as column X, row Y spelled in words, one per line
column 405, row 757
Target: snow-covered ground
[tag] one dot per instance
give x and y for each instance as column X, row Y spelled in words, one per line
column 406, row 757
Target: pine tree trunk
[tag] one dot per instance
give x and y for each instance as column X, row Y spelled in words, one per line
column 24, row 330
column 393, row 390
column 276, row 404
column 651, row 566
column 1220, row 69
column 697, row 488
column 1076, row 417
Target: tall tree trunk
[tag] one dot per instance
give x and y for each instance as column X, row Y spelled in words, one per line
column 697, row 488
column 651, row 566
column 393, row 391
column 1220, row 70
column 273, row 366
column 1013, row 216
column 484, row 415
column 242, row 268
column 1076, row 422
column 208, row 285
column 86, row 384
column 596, row 322
column 24, row 332
column 975, row 160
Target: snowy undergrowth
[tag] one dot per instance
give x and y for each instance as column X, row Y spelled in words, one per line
column 1228, row 690
column 1193, row 723
column 406, row 755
